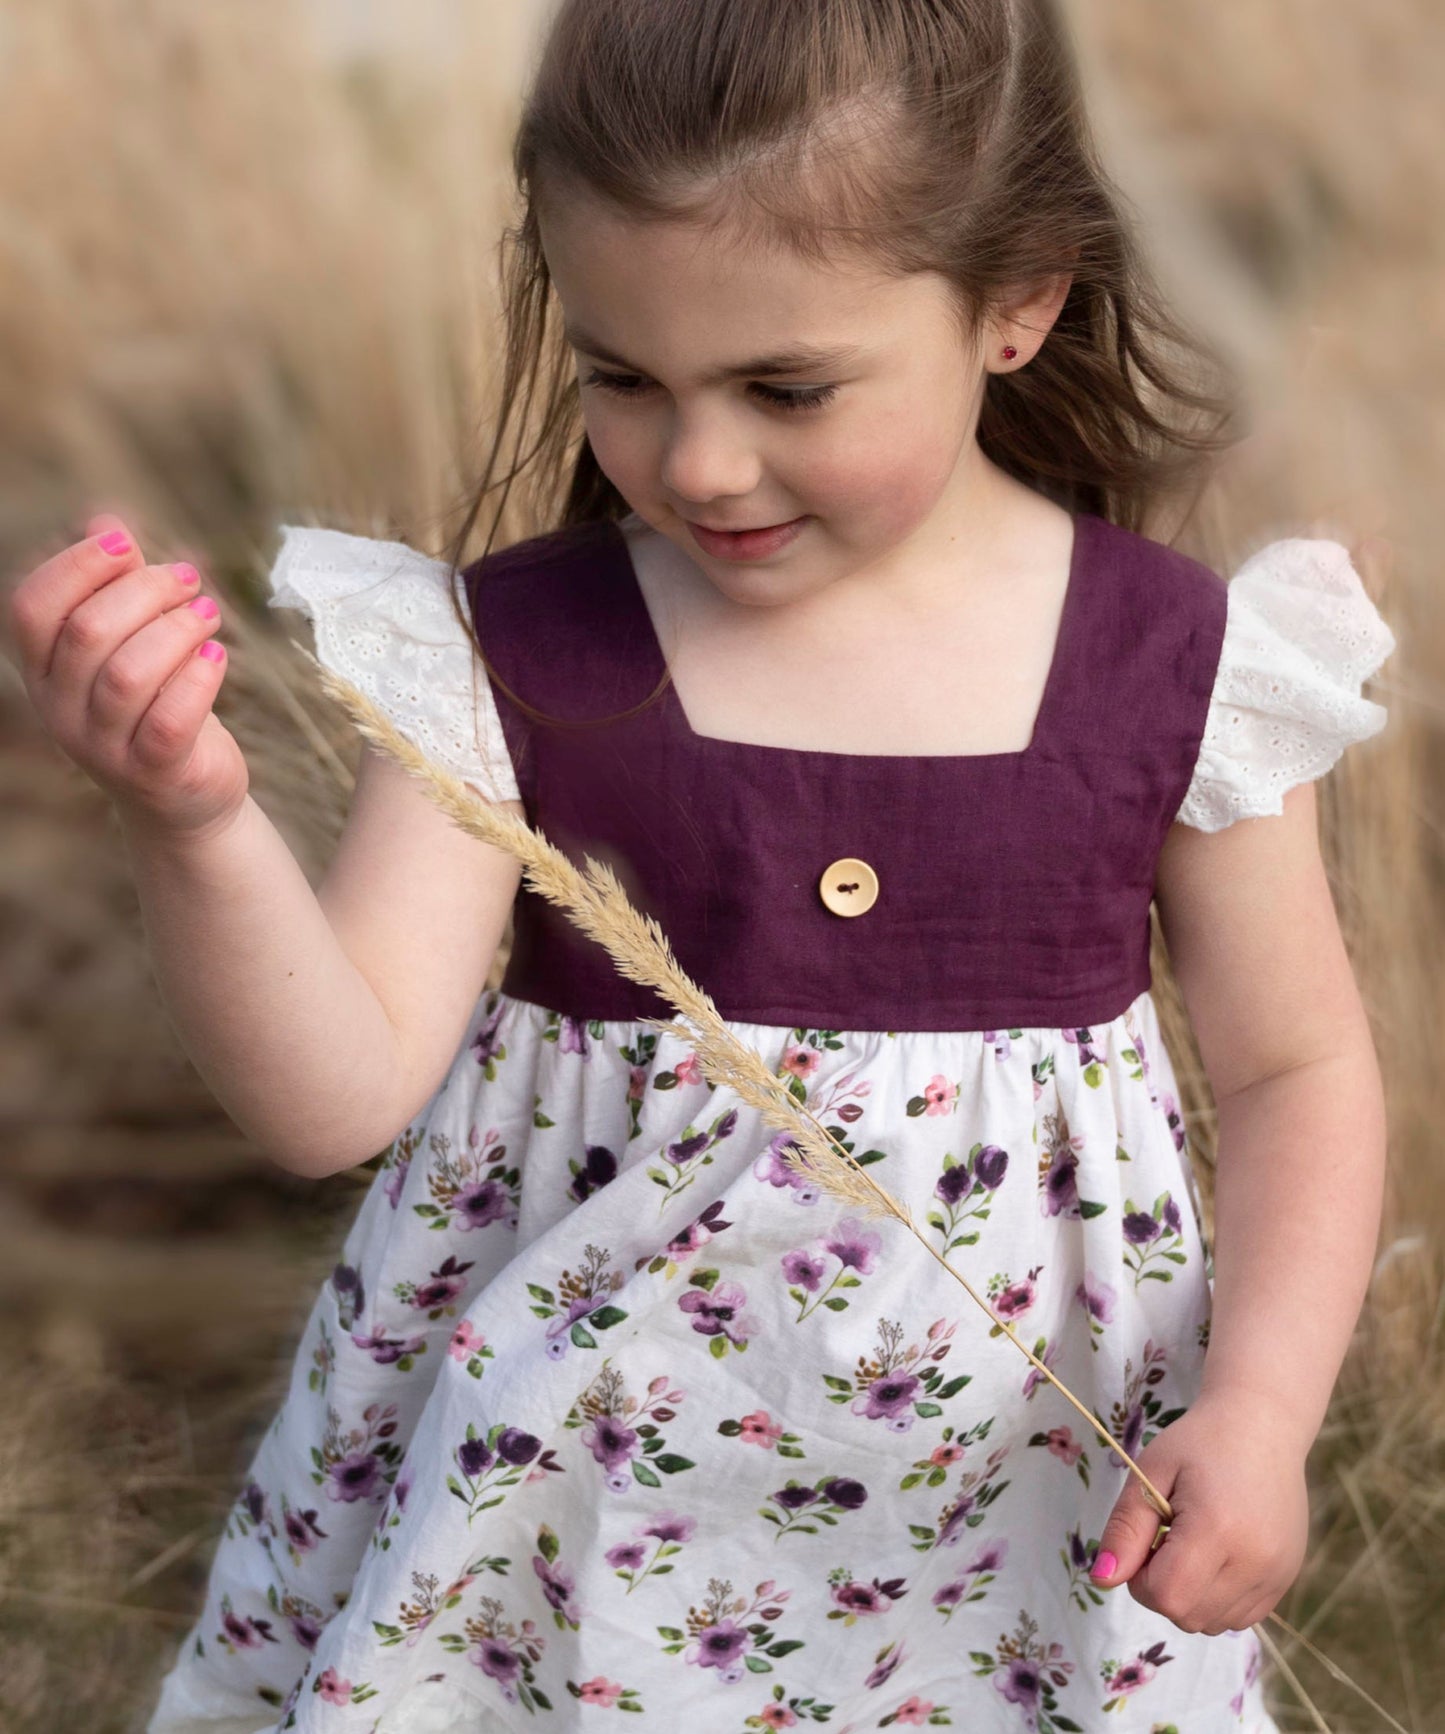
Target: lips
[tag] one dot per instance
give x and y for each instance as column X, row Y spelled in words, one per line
column 756, row 544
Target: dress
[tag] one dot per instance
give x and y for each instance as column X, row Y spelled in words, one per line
column 605, row 1409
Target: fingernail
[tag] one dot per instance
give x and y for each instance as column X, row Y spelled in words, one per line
column 186, row 573
column 211, row 651
column 1104, row 1565
column 115, row 542
column 205, row 607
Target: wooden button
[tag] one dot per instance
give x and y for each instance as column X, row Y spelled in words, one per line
column 849, row 887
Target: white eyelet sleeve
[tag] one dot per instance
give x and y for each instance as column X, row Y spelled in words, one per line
column 1301, row 634
column 383, row 620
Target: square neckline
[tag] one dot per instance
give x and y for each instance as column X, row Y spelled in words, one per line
column 1050, row 703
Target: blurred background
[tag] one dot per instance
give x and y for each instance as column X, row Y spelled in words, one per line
column 247, row 277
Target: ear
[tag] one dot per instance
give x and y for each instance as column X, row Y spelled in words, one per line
column 1026, row 322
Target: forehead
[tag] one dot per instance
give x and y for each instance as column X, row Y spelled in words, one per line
column 675, row 292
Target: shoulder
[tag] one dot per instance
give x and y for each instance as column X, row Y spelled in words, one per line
column 1155, row 575
column 571, row 550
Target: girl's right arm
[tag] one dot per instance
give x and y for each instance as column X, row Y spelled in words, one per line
column 321, row 1021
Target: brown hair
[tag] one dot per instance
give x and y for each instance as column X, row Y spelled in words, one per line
column 928, row 135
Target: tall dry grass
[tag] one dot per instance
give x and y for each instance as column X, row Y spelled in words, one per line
column 244, row 283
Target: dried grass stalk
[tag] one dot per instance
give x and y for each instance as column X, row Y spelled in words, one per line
column 595, row 901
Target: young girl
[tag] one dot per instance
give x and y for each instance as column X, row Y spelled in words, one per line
column 849, row 653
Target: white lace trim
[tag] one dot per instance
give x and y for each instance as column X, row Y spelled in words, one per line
column 383, row 620
column 1300, row 636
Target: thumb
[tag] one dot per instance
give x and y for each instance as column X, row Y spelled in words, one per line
column 1129, row 1535
column 99, row 522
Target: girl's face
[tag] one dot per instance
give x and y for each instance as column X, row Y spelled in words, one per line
column 870, row 440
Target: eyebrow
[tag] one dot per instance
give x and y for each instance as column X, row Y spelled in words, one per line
column 800, row 358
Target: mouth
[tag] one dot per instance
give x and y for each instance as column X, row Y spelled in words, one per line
column 750, row 544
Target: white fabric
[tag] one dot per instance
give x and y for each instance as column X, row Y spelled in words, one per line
column 383, row 620
column 1300, row 636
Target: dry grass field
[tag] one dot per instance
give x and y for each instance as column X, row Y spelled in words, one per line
column 248, row 280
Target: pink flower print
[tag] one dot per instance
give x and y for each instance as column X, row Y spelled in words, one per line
column 444, row 1285
column 333, row 1689
column 668, row 1526
column 1014, row 1299
column 599, row 1691
column 777, row 1716
column 717, row 1311
column 759, row 1428
column 800, row 1061
column 353, row 1477
column 465, row 1341
column 244, row 1634
column 1096, row 1297
column 688, row 1070
column 915, row 1712
column 939, row 1095
column 302, row 1529
column 990, row 1556
column 945, row 1454
column 1131, row 1676
column 557, row 1585
column 636, row 1086
column 864, row 1598
column 626, row 1556
column 853, row 1243
column 1064, row 1445
column 476, row 1205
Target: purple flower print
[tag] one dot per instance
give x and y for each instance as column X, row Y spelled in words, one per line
column 400, row 1487
column 853, row 1243
column 952, row 1527
column 771, row 1167
column 387, row 1351
column 888, row 1398
column 1034, row 1377
column 1140, row 1228
column 697, row 1233
column 1096, row 1297
column 354, row 1477
column 599, row 1169
column 485, row 1044
column 572, row 1036
column 846, row 1494
column 482, row 1202
column 990, row 1166
column 1020, row 1680
column 855, row 1599
column 1011, row 1300
column 244, row 1634
column 499, row 1663
column 717, row 1311
column 395, row 1180
column 685, row 1149
column 803, row 1270
column 350, row 1294
column 722, row 1646
column 254, row 1499
column 516, row 1447
column 610, row 1442
column 669, row 1526
column 886, row 1668
column 1171, row 1217
column 306, row 1630
column 794, row 1498
column 626, row 1556
column 1061, row 1191
column 954, row 1183
column 1123, row 1681
column 475, row 1457
column 302, row 1530
column 557, row 1585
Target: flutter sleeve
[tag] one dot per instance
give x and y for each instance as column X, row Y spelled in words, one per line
column 1301, row 635
column 383, row 619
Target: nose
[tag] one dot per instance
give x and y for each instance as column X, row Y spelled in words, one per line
column 704, row 459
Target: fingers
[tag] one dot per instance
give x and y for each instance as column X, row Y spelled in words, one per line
column 43, row 603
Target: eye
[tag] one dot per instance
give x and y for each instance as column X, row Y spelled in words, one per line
column 802, row 397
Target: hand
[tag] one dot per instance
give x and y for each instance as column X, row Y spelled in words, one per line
column 109, row 652
column 1233, row 1469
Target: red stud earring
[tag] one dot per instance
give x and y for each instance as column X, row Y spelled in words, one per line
column 1009, row 352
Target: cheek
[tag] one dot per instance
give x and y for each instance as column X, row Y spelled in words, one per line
column 885, row 475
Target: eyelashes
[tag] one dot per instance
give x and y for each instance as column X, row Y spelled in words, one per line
column 802, row 398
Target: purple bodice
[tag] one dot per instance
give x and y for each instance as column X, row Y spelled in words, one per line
column 1012, row 889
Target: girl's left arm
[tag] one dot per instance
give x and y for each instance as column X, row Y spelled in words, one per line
column 1256, row 948
column 1250, row 924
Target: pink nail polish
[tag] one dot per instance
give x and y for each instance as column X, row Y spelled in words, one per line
column 186, row 573
column 205, row 607
column 1105, row 1565
column 212, row 651
column 115, row 542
